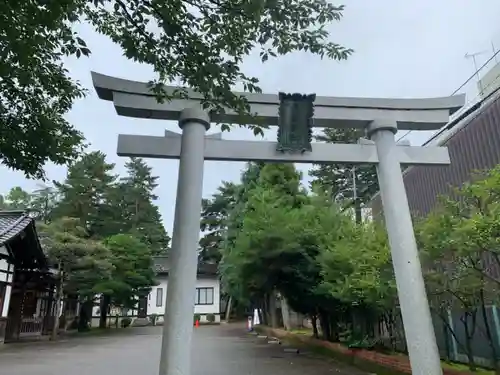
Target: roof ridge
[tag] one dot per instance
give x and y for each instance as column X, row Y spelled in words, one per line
column 14, row 224
column 10, row 212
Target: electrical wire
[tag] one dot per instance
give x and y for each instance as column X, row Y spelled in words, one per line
column 459, row 88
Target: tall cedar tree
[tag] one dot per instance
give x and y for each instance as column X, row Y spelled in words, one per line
column 339, row 179
column 86, row 193
column 134, row 210
column 214, row 214
column 220, row 218
column 44, row 200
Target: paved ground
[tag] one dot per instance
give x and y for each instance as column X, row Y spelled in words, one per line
column 217, row 350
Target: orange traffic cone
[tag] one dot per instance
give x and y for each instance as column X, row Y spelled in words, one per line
column 197, row 323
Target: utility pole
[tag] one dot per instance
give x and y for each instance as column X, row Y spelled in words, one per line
column 476, row 69
column 357, row 205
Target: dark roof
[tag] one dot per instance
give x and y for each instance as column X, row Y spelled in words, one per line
column 12, row 223
column 162, row 265
column 18, row 234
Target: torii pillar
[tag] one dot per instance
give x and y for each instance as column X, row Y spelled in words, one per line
column 380, row 117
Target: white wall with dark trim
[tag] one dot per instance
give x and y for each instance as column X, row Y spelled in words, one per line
column 6, row 277
column 204, row 304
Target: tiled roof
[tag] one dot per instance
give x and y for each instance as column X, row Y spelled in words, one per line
column 161, row 265
column 12, row 224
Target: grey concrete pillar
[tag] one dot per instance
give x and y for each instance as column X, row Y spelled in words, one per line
column 417, row 320
column 178, row 328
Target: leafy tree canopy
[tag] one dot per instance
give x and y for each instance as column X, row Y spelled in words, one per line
column 35, row 90
column 202, row 43
column 16, row 199
column 84, row 264
column 132, row 273
column 199, row 43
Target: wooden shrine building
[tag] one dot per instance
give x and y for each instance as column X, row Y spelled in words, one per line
column 26, row 282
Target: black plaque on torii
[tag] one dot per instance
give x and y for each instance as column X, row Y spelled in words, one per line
column 295, row 122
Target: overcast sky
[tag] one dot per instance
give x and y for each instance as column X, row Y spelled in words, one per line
column 402, row 49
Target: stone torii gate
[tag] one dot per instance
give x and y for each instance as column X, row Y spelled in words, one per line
column 380, row 117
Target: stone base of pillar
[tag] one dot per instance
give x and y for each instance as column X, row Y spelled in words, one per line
column 3, row 327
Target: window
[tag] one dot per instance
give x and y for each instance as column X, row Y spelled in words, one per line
column 204, row 296
column 159, row 297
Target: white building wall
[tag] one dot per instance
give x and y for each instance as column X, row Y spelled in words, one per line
column 366, row 213
column 112, row 316
column 114, row 310
column 158, row 307
column 6, row 278
column 489, row 82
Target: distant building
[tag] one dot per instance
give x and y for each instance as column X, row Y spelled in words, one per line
column 206, row 296
column 473, row 141
column 490, row 82
column 366, row 213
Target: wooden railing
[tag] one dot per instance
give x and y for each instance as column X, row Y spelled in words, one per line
column 31, row 326
column 23, row 328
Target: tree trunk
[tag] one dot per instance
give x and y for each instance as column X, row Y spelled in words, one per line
column 494, row 354
column 314, row 323
column 104, row 306
column 468, row 343
column 49, row 310
column 285, row 312
column 272, row 310
column 390, row 324
column 85, row 315
column 58, row 302
column 261, row 316
column 334, row 329
column 228, row 309
column 358, row 212
column 444, row 319
column 447, row 345
column 264, row 318
column 324, row 321
column 265, row 310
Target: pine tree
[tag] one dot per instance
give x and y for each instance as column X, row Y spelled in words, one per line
column 135, row 211
column 86, row 193
column 43, row 201
column 220, row 217
column 357, row 183
column 214, row 214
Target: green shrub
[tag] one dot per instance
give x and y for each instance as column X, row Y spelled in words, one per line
column 210, row 318
column 126, row 322
column 196, row 317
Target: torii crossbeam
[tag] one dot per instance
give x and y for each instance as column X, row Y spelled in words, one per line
column 380, row 117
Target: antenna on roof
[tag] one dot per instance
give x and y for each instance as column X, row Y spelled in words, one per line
column 476, row 69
